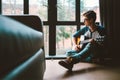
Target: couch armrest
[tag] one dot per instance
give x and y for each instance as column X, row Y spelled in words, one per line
column 32, row 69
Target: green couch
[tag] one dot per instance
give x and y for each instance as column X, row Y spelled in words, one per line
column 21, row 48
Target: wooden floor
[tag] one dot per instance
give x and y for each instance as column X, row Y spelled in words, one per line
column 81, row 71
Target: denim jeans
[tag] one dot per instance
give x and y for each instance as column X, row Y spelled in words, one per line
column 87, row 53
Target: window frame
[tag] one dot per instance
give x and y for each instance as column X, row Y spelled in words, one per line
column 52, row 22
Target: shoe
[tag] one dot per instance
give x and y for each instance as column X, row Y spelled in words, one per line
column 66, row 64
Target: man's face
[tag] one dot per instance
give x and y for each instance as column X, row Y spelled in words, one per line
column 86, row 21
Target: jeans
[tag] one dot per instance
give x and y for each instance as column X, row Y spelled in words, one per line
column 87, row 53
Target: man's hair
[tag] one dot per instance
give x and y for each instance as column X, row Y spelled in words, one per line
column 90, row 15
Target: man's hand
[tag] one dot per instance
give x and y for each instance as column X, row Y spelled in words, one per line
column 77, row 48
column 91, row 40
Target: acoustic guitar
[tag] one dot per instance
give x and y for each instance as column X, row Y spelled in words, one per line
column 81, row 41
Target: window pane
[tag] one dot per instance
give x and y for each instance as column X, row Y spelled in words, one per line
column 46, row 39
column 64, row 38
column 12, row 7
column 90, row 5
column 66, row 10
column 40, row 8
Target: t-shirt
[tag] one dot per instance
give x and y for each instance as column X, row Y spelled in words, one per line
column 98, row 35
column 100, row 31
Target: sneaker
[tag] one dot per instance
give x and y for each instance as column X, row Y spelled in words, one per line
column 66, row 65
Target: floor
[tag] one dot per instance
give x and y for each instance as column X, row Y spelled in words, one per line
column 81, row 71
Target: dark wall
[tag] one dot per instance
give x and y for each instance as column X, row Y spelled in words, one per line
column 110, row 19
column 113, row 28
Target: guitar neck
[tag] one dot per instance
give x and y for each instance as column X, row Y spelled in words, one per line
column 98, row 40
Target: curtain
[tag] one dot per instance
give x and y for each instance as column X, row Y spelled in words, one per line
column 110, row 17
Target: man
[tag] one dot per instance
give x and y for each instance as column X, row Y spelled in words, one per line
column 89, row 50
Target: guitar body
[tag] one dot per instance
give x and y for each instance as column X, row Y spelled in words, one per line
column 79, row 40
column 82, row 41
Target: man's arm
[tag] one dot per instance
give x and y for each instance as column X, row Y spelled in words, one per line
column 75, row 37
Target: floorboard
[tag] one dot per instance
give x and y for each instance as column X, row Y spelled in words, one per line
column 81, row 71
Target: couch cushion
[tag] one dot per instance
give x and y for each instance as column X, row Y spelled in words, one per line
column 17, row 42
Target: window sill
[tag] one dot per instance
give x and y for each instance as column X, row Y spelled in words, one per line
column 55, row 56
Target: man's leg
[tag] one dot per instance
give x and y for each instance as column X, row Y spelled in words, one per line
column 89, row 52
column 67, row 62
column 71, row 53
column 84, row 53
column 74, row 57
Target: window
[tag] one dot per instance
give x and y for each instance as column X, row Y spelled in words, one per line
column 64, row 38
column 66, row 10
column 46, row 39
column 40, row 8
column 61, row 18
column 10, row 7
